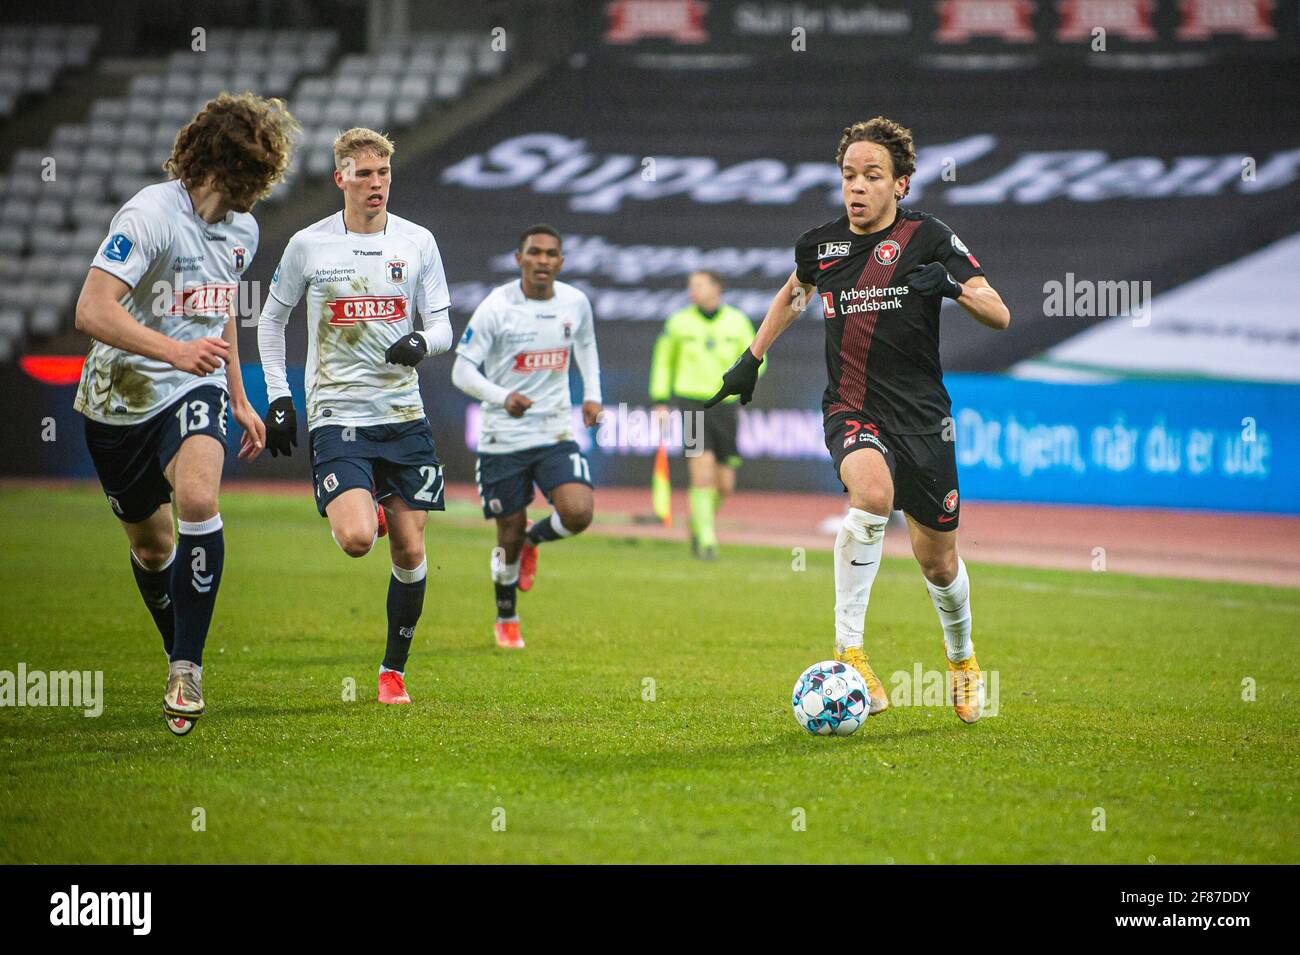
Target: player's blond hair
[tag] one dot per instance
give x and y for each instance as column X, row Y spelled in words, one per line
column 352, row 142
column 241, row 144
column 894, row 137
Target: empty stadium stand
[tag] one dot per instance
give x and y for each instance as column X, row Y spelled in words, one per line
column 56, row 201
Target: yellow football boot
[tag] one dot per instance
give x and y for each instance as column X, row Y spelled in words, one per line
column 855, row 658
column 967, row 689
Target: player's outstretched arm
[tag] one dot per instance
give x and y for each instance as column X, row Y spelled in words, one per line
column 787, row 305
column 101, row 316
column 254, row 439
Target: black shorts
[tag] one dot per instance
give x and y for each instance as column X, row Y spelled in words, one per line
column 384, row 459
column 505, row 481
column 721, row 424
column 131, row 459
column 923, row 466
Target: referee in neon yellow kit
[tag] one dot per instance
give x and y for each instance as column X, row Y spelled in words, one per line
column 697, row 345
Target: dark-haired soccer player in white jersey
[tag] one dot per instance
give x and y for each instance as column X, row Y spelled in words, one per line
column 522, row 335
column 882, row 273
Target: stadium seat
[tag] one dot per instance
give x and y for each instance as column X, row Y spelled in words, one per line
column 45, row 320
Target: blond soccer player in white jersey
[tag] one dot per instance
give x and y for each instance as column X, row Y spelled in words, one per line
column 365, row 273
column 514, row 357
column 164, row 366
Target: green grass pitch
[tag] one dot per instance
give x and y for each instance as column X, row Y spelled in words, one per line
column 1119, row 694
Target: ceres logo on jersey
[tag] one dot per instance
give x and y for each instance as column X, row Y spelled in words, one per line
column 213, row 299
column 551, row 359
column 367, row 308
column 887, row 252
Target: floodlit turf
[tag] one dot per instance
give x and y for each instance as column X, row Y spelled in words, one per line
column 1116, row 694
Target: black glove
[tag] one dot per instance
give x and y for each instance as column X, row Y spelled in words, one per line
column 407, row 350
column 739, row 379
column 281, row 427
column 933, row 279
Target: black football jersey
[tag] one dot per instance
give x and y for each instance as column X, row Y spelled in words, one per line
column 882, row 338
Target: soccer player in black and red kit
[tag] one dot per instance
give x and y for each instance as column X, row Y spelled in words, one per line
column 882, row 272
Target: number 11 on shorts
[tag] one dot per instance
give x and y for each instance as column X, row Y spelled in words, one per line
column 581, row 469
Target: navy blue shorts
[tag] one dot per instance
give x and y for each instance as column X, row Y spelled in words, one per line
column 131, row 459
column 505, row 481
column 384, row 459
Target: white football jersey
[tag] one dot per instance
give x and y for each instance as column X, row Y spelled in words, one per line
column 184, row 275
column 524, row 345
column 362, row 294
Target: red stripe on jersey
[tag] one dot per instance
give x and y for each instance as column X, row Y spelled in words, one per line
column 859, row 330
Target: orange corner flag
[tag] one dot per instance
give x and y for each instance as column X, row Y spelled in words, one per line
column 661, row 488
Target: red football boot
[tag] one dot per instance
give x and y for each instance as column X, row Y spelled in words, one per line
column 507, row 634
column 392, row 688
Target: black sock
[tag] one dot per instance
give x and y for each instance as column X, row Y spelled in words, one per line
column 543, row 530
column 196, row 576
column 155, row 587
column 405, row 601
column 506, row 594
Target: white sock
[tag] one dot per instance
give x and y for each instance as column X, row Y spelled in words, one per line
column 953, row 604
column 557, row 525
column 414, row 575
column 503, row 573
column 858, row 548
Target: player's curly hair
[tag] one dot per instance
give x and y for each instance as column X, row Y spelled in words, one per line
column 241, row 144
column 894, row 137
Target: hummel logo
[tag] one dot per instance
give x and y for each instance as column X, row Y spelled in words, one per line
column 279, row 417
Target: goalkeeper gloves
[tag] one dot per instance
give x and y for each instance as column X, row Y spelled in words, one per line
column 407, row 350
column 281, row 427
column 933, row 279
column 739, row 379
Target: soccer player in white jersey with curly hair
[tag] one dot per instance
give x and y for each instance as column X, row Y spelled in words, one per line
column 164, row 367
column 365, row 273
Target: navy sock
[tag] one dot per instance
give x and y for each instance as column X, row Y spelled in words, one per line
column 155, row 588
column 405, row 601
column 196, row 576
column 506, row 594
column 545, row 530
